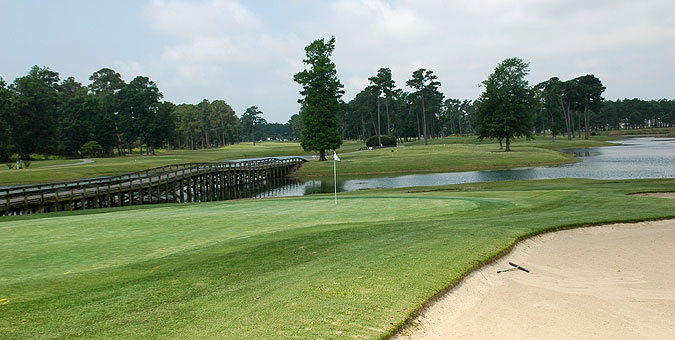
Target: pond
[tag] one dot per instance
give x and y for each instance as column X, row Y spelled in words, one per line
column 642, row 157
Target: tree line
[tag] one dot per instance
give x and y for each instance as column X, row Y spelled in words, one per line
column 44, row 115
column 572, row 108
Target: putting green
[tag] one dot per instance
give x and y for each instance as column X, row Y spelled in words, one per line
column 56, row 246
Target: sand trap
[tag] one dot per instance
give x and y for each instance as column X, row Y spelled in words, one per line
column 607, row 282
column 657, row 194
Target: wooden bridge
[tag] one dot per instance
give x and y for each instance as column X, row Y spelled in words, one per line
column 190, row 182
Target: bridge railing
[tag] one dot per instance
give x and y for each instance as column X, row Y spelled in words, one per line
column 15, row 194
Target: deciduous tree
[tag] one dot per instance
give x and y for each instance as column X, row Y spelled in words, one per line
column 505, row 109
column 321, row 91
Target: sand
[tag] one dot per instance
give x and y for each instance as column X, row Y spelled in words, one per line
column 606, row 282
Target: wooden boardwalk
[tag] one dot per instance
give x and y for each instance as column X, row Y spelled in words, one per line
column 190, row 182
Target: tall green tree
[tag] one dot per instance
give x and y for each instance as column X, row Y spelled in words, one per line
column 251, row 119
column 224, row 122
column 296, row 126
column 384, row 85
column 590, row 96
column 74, row 126
column 321, row 91
column 505, row 109
column 549, row 95
column 104, row 108
column 6, row 107
column 34, row 117
column 426, row 84
column 139, row 104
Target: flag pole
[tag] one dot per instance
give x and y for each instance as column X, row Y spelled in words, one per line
column 335, row 178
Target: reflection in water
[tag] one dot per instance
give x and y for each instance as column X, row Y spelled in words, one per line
column 645, row 157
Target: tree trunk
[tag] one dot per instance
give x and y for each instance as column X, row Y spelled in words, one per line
column 253, row 133
column 119, row 141
column 386, row 105
column 379, row 134
column 508, row 143
column 572, row 121
column 543, row 126
column 501, row 147
column 568, row 121
column 586, row 120
column 424, row 123
column 419, row 134
column 552, row 131
column 322, row 155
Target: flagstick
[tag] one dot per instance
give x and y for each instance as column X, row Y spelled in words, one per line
column 335, row 179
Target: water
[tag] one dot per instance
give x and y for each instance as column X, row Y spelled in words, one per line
column 644, row 157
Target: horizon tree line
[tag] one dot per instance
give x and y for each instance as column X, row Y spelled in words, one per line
column 42, row 114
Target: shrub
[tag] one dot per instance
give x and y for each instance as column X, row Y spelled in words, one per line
column 387, row 141
column 91, row 149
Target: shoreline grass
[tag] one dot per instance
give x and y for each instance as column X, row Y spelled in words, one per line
column 282, row 268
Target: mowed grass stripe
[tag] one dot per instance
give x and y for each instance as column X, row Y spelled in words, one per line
column 280, row 275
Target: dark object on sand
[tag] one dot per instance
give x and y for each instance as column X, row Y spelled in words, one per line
column 515, row 267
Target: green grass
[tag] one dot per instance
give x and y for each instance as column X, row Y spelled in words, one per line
column 539, row 141
column 669, row 131
column 450, row 154
column 42, row 171
column 442, row 155
column 435, row 158
column 290, row 268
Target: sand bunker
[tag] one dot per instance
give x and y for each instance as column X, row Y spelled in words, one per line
column 608, row 282
column 657, row 194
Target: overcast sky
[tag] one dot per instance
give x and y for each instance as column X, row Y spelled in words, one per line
column 246, row 52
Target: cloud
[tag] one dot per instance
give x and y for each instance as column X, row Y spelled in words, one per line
column 222, row 50
column 247, row 52
column 462, row 41
column 187, row 19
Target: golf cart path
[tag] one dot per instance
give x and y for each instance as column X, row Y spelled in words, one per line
column 606, row 282
column 81, row 162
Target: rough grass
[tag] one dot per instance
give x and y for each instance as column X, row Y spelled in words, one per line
column 293, row 268
column 435, row 158
column 669, row 131
column 42, row 171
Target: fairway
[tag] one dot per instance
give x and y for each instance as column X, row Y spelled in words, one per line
column 280, row 268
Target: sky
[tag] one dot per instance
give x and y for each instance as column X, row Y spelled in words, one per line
column 246, row 52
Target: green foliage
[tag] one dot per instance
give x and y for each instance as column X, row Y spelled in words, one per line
column 7, row 102
column 91, row 149
column 33, row 118
column 426, row 85
column 383, row 84
column 73, row 124
column 321, row 91
column 140, row 115
column 505, row 110
column 250, row 121
column 296, row 126
column 259, row 270
column 387, row 141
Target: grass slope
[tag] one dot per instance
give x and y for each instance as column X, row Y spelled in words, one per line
column 292, row 268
